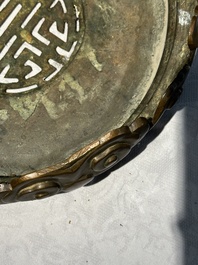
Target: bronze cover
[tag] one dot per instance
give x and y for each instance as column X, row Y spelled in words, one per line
column 81, row 82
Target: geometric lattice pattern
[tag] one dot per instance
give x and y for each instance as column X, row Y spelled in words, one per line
column 38, row 39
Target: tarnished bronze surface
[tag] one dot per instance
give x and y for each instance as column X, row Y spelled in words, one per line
column 81, row 82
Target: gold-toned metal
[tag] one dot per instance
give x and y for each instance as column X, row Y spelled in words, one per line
column 79, row 169
column 115, row 71
column 193, row 34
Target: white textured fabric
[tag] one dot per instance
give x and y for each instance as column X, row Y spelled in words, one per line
column 145, row 212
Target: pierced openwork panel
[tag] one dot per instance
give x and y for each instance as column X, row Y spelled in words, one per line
column 38, row 39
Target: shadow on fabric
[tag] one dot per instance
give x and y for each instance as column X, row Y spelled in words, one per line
column 139, row 148
column 188, row 225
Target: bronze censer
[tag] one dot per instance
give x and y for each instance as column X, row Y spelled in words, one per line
column 81, row 83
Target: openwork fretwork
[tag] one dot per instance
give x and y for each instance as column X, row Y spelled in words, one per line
column 37, row 40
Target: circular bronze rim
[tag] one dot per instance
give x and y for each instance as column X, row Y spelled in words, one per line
column 80, row 168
